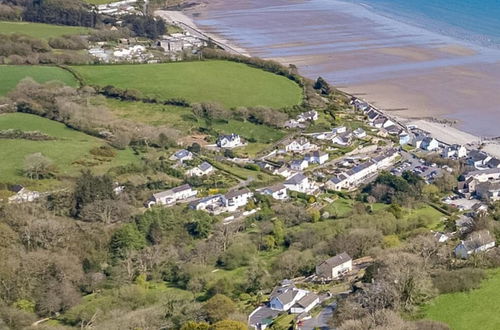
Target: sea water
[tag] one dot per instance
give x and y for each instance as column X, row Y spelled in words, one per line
column 476, row 21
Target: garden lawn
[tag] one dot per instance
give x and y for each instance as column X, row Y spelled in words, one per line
column 228, row 83
column 69, row 151
column 40, row 30
column 478, row 309
column 12, row 74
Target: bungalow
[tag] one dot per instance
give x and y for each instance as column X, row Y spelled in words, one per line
column 341, row 140
column 171, row 196
column 299, row 165
column 229, row 141
column 428, row 143
column 382, row 122
column 317, row 157
column 237, row 198
column 454, row 151
column 334, row 267
column 284, row 172
column 477, row 242
column 299, row 182
column 324, row 135
column 292, row 123
column 182, row 155
column 213, row 204
column 278, row 191
column 282, row 298
column 201, row 170
column 359, row 133
column 299, row 146
column 338, row 182
column 308, row 116
column 393, row 130
column 339, row 130
column 305, row 304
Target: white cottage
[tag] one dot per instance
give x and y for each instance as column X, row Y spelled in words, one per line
column 334, row 267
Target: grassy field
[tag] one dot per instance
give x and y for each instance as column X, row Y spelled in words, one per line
column 69, row 150
column 12, row 74
column 39, row 30
column 183, row 119
column 478, row 309
column 231, row 84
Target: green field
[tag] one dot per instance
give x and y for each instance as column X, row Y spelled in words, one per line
column 478, row 309
column 231, row 84
column 183, row 119
column 69, row 151
column 12, row 74
column 39, row 30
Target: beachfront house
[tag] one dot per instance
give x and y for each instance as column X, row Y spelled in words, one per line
column 299, row 164
column 489, row 190
column 478, row 158
column 169, row 197
column 182, row 155
column 229, row 141
column 278, row 191
column 428, row 143
column 317, row 157
column 477, row 242
column 334, row 267
column 404, row 138
column 454, row 151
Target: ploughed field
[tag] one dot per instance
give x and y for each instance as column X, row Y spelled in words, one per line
column 11, row 75
column 40, row 30
column 68, row 149
column 228, row 83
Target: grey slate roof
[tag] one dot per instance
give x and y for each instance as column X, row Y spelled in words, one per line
column 236, row 193
column 296, row 179
column 205, row 166
column 306, row 300
column 337, row 260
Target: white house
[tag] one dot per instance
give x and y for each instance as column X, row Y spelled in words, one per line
column 305, row 304
column 334, row 267
column 317, row 157
column 23, row 195
column 229, row 141
column 299, row 182
column 285, row 296
column 455, row 151
column 477, row 242
column 284, row 172
column 278, row 191
column 182, row 155
column 237, row 198
column 308, row 116
column 299, row 165
column 171, row 196
column 429, row 144
column 213, row 204
column 339, row 130
column 441, row 237
column 359, row 133
column 201, row 170
column 299, row 146
column 341, row 140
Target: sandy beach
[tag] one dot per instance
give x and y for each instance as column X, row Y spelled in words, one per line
column 404, row 71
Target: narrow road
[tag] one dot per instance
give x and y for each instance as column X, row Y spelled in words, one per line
column 321, row 320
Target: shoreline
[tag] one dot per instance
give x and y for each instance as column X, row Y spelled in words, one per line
column 436, row 127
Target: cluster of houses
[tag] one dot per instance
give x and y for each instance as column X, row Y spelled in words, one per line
column 219, row 203
column 377, row 119
column 122, row 53
column 483, row 184
column 358, row 174
column 180, row 42
column 302, row 119
column 118, row 8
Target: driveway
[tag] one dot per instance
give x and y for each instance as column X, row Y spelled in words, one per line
column 321, row 320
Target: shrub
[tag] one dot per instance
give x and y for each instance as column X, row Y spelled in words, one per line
column 103, row 151
column 458, row 280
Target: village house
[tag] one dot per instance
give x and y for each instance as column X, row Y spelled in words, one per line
column 300, row 183
column 305, row 304
column 493, row 163
column 473, row 179
column 203, row 169
column 324, row 135
column 428, row 143
column 214, row 204
column 488, row 190
column 478, row 159
column 372, row 115
column 308, row 116
column 300, row 145
column 278, row 191
column 441, row 237
column 22, row 195
column 284, row 172
column 334, row 267
column 342, row 140
column 283, row 297
column 292, row 123
column 182, row 155
column 229, row 141
column 171, row 196
column 237, row 198
column 317, row 157
column 299, row 164
column 359, row 133
column 454, row 151
column 476, row 242
column 382, row 122
column 339, row 130
column 404, row 138
column 393, row 130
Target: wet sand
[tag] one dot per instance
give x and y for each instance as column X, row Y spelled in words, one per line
column 393, row 65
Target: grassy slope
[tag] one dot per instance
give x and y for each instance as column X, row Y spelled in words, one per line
column 183, row 120
column 39, row 30
column 478, row 309
column 231, row 84
column 70, row 146
column 11, row 75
